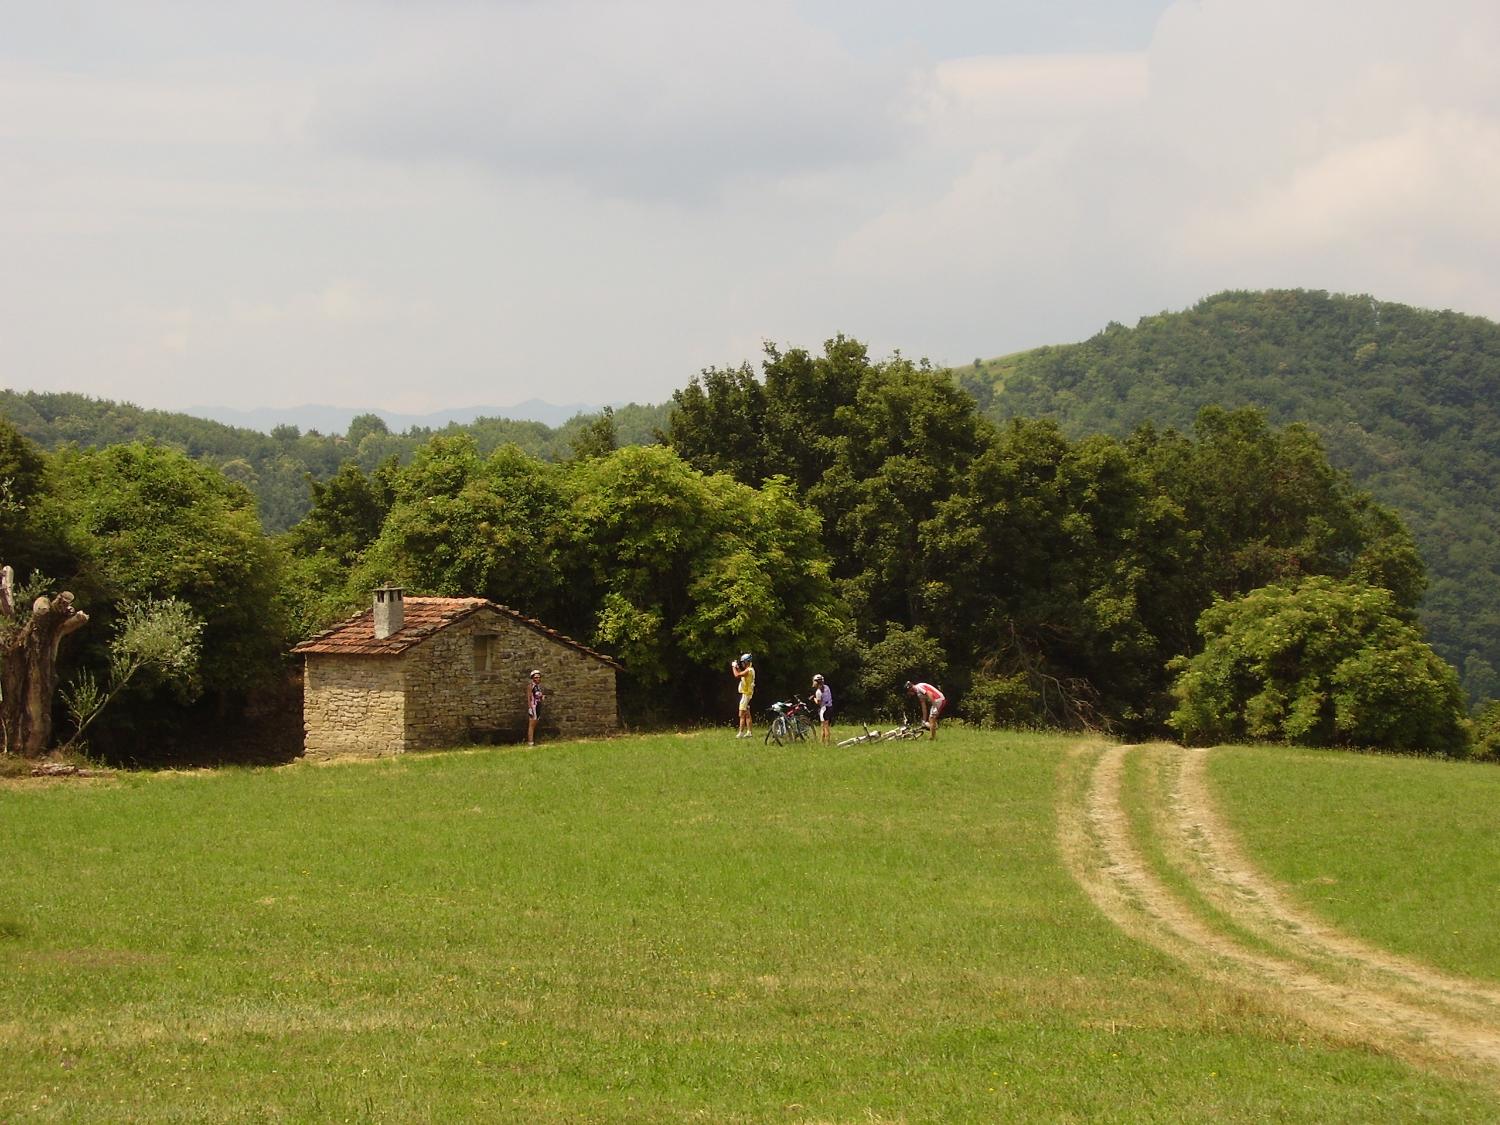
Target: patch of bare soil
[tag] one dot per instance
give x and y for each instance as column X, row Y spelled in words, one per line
column 1307, row 979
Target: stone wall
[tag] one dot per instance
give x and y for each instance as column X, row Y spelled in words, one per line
column 353, row 705
column 465, row 683
column 469, row 682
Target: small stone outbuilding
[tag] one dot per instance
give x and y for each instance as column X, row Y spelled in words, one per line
column 417, row 673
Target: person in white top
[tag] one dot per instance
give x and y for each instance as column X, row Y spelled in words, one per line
column 822, row 701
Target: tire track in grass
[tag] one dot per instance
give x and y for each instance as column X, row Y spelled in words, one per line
column 1231, row 881
column 1099, row 847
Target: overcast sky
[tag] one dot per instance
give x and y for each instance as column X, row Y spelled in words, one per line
column 415, row 206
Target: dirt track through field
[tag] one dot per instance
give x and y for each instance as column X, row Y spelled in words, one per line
column 1231, row 923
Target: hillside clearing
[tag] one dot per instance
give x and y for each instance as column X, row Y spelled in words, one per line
column 650, row 929
column 1317, row 974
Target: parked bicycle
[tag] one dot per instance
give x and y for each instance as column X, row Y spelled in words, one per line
column 789, row 722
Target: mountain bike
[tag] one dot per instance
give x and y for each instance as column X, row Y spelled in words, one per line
column 862, row 739
column 789, row 722
column 904, row 733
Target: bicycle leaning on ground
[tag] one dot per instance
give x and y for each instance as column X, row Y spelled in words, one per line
column 904, row 732
column 861, row 739
column 896, row 734
column 789, row 722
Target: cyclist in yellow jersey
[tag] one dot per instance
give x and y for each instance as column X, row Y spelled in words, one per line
column 744, row 672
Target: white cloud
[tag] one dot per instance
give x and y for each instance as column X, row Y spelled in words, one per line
column 1431, row 180
column 348, row 303
column 1254, row 143
column 667, row 99
column 477, row 201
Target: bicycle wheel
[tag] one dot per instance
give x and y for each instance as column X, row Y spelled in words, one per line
column 776, row 732
column 800, row 728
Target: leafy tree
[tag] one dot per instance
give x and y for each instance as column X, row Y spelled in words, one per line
column 21, row 466
column 783, row 424
column 901, row 654
column 1058, row 567
column 596, row 438
column 148, row 522
column 688, row 569
column 718, row 422
column 1480, row 679
column 1403, row 399
column 347, row 513
column 899, row 449
column 28, row 545
column 1267, row 506
column 319, row 553
column 460, row 524
column 1320, row 662
column 803, row 395
column 365, row 425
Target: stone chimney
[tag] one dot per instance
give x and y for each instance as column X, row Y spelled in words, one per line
column 390, row 611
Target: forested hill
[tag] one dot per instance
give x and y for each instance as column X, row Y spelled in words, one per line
column 276, row 466
column 1406, row 400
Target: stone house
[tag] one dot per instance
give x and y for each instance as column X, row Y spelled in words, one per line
column 416, row 673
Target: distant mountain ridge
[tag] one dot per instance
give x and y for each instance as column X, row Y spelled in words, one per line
column 276, row 468
column 336, row 419
column 1406, row 400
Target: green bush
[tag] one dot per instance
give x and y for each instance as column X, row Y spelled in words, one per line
column 885, row 666
column 1485, row 743
column 1002, row 701
column 1322, row 663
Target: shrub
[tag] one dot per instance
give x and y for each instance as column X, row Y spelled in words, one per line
column 1319, row 662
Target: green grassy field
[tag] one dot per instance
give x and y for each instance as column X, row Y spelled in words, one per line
column 671, row 928
column 1431, row 885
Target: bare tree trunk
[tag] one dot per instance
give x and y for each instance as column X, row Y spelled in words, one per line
column 28, row 667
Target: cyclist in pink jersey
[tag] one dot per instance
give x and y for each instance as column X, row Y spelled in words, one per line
column 931, row 701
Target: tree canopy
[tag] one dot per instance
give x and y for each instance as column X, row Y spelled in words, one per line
column 830, row 512
column 1407, row 401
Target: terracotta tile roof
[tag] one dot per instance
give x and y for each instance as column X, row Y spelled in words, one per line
column 421, row 619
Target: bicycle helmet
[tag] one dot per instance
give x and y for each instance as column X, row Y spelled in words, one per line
column 908, row 686
column 818, row 678
column 746, row 658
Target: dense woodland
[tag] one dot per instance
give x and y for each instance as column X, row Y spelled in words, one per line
column 1407, row 401
column 276, row 467
column 869, row 519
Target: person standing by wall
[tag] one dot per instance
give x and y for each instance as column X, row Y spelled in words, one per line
column 534, row 697
column 744, row 672
column 931, row 701
column 822, row 701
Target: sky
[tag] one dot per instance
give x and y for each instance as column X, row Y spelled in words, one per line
column 413, row 206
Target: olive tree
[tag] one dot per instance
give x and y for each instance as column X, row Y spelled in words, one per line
column 155, row 642
column 30, row 635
